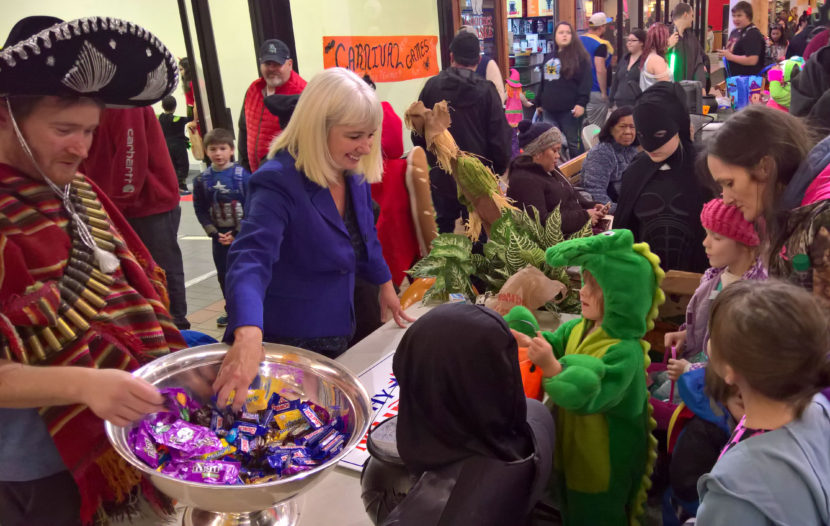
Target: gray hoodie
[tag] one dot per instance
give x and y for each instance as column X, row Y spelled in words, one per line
column 779, row 478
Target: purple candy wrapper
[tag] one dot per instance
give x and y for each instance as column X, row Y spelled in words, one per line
column 190, row 439
column 293, row 469
column 205, row 471
column 158, row 424
column 142, row 445
column 179, row 403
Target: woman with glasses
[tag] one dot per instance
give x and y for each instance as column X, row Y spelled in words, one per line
column 605, row 163
column 626, row 85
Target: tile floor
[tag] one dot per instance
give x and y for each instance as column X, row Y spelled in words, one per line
column 204, row 298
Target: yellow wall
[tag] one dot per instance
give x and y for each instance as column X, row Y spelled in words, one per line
column 235, row 50
column 314, row 19
column 160, row 17
column 234, row 41
column 231, row 29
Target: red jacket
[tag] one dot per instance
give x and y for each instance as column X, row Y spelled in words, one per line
column 129, row 161
column 396, row 229
column 260, row 125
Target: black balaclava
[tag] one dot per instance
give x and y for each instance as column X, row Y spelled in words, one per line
column 461, row 391
column 659, row 114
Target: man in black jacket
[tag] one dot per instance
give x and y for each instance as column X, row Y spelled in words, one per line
column 683, row 43
column 478, row 124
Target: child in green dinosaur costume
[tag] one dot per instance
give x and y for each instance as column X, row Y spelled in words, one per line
column 594, row 371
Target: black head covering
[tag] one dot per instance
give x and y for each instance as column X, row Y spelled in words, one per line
column 465, row 45
column 461, row 390
column 112, row 60
column 282, row 106
column 660, row 112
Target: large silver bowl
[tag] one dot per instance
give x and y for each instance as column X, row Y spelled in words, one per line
column 312, row 376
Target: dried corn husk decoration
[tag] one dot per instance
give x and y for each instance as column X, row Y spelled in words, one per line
column 432, row 125
column 478, row 187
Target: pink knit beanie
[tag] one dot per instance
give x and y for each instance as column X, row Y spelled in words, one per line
column 728, row 221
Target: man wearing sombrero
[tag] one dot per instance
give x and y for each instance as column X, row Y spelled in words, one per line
column 81, row 301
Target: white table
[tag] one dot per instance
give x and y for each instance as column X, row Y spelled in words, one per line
column 336, row 499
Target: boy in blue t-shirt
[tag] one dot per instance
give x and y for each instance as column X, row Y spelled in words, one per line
column 218, row 199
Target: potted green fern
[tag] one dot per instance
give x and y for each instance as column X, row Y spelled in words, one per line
column 516, row 240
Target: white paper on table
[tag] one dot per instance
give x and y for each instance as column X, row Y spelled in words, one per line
column 382, row 386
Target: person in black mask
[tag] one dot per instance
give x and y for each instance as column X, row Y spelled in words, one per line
column 478, row 451
column 661, row 197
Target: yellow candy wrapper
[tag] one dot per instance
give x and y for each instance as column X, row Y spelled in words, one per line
column 288, row 419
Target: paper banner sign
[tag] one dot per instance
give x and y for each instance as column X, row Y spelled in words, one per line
column 385, row 59
column 383, row 388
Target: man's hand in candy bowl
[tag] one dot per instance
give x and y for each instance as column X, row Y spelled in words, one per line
column 240, row 367
column 676, row 368
column 119, row 397
column 540, row 353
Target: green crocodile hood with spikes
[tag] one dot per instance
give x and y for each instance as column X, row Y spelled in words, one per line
column 628, row 273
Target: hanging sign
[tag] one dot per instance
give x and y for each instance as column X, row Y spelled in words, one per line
column 385, row 59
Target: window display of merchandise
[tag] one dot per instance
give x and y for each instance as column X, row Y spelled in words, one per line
column 532, row 37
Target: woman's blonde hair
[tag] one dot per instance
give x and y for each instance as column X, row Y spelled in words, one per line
column 334, row 97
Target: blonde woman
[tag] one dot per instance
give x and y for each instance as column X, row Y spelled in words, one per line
column 308, row 231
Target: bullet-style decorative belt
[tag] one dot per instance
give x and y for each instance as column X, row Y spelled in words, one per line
column 83, row 287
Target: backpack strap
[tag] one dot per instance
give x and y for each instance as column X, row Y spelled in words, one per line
column 237, row 179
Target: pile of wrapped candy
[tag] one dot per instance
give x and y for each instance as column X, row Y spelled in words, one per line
column 271, row 438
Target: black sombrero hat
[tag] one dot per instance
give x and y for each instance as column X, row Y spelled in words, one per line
column 112, row 60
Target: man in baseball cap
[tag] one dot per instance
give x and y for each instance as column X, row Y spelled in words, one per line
column 257, row 127
column 601, row 52
column 598, row 20
column 274, row 51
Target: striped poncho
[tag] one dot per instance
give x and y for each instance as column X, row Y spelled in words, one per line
column 130, row 329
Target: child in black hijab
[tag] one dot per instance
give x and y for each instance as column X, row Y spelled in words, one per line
column 481, row 451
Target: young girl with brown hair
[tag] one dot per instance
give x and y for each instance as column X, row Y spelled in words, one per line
column 770, row 339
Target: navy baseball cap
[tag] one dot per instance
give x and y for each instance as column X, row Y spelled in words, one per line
column 275, row 51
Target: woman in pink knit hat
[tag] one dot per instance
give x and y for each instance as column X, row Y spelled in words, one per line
column 731, row 245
